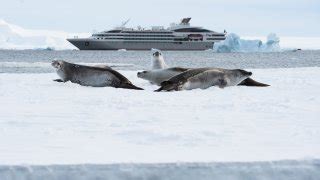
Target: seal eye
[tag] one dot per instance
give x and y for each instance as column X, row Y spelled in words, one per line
column 144, row 72
column 56, row 64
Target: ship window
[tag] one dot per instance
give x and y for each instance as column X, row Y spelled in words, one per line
column 86, row 43
column 192, row 30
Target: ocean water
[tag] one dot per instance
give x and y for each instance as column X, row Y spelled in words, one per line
column 38, row 61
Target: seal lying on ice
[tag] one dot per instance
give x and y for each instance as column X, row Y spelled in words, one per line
column 204, row 78
column 159, row 75
column 91, row 76
column 160, row 72
column 157, row 61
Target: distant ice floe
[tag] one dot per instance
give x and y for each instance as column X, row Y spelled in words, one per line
column 16, row 37
column 234, row 43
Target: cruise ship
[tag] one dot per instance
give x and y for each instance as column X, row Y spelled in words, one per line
column 180, row 36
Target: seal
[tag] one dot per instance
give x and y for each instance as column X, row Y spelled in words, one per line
column 91, row 75
column 159, row 75
column 156, row 77
column 204, row 78
column 102, row 66
column 157, row 61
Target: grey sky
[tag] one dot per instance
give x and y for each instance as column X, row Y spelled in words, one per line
column 244, row 17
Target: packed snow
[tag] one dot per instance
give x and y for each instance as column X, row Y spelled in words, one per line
column 45, row 122
column 16, row 37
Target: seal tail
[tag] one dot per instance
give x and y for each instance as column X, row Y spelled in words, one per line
column 130, row 86
column 158, row 90
column 251, row 82
column 166, row 86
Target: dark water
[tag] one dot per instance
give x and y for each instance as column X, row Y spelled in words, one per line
column 273, row 170
column 38, row 60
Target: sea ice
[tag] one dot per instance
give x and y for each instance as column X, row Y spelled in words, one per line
column 45, row 122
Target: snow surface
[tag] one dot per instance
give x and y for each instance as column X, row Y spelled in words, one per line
column 16, row 37
column 45, row 122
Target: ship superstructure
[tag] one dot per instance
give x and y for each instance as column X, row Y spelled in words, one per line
column 180, row 36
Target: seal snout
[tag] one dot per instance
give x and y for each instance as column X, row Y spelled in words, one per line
column 245, row 73
column 139, row 74
column 55, row 64
column 157, row 54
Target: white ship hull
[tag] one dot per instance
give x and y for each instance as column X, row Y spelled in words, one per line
column 93, row 44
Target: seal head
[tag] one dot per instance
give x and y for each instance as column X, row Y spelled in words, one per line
column 157, row 61
column 159, row 75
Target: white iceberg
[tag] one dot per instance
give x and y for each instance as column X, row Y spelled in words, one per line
column 16, row 37
column 234, row 43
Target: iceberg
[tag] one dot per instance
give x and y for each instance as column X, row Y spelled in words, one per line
column 233, row 43
column 16, row 37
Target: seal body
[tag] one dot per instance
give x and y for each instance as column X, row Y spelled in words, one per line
column 91, row 75
column 156, row 77
column 103, row 66
column 158, row 61
column 159, row 75
column 204, row 78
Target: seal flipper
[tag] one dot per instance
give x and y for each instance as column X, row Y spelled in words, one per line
column 166, row 86
column 129, row 86
column 251, row 82
column 158, row 90
column 58, row 80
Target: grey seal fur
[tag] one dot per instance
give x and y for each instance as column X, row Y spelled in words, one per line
column 91, row 75
column 161, row 72
column 159, row 75
column 204, row 78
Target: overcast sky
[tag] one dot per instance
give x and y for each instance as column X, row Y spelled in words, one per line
column 244, row 17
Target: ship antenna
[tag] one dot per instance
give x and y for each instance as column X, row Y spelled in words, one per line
column 125, row 23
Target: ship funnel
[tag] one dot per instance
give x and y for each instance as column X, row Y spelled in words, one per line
column 185, row 21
